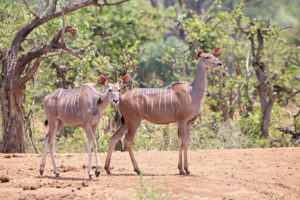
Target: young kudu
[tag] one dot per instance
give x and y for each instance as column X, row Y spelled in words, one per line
column 179, row 103
column 78, row 107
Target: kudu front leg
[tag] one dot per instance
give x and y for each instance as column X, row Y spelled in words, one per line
column 113, row 141
column 91, row 145
column 95, row 147
column 181, row 135
column 91, row 175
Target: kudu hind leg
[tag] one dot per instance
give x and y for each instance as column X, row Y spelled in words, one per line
column 129, row 142
column 113, row 141
column 185, row 148
column 53, row 128
column 42, row 166
column 91, row 144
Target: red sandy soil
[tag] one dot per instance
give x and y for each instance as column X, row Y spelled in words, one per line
column 215, row 174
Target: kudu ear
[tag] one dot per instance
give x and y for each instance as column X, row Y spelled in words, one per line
column 216, row 52
column 125, row 80
column 199, row 54
column 103, row 81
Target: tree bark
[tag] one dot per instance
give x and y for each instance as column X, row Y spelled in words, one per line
column 13, row 139
column 265, row 89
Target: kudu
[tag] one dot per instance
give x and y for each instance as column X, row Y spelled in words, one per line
column 78, row 107
column 179, row 103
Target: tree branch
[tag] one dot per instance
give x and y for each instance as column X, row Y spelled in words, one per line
column 27, row 28
column 291, row 95
column 238, row 21
column 260, row 47
column 53, row 7
column 31, row 72
column 62, row 40
column 34, row 68
column 100, row 40
column 77, row 54
column 105, row 3
column 30, row 9
column 286, row 130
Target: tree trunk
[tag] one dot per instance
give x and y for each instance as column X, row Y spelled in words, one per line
column 13, row 133
column 266, row 101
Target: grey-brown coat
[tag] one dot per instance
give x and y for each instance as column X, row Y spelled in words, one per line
column 78, row 107
column 179, row 103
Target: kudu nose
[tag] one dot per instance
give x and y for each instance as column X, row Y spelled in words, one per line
column 116, row 101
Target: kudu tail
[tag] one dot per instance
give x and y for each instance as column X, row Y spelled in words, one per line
column 46, row 123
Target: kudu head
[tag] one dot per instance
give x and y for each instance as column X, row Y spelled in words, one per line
column 113, row 89
column 210, row 60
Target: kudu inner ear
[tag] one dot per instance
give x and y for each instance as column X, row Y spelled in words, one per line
column 99, row 101
column 217, row 51
column 125, row 80
column 103, row 81
column 199, row 53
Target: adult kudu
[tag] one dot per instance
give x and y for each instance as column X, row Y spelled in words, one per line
column 78, row 107
column 179, row 103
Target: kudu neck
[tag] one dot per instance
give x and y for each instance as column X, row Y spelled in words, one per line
column 105, row 100
column 199, row 83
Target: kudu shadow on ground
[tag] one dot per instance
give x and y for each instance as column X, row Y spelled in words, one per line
column 65, row 178
column 155, row 175
column 117, row 175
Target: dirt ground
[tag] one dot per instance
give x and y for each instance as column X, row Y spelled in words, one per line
column 215, row 174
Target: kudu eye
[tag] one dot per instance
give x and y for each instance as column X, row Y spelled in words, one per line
column 206, row 57
column 109, row 90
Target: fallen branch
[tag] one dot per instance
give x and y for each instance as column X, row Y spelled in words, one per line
column 288, row 131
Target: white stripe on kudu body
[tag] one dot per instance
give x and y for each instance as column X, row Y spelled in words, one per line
column 165, row 98
column 159, row 100
column 152, row 99
column 172, row 101
column 137, row 101
column 137, row 96
column 143, row 98
column 185, row 102
column 67, row 102
column 88, row 105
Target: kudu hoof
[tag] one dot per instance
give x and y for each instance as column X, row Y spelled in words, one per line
column 41, row 171
column 91, row 176
column 97, row 173
column 187, row 172
column 107, row 170
column 57, row 175
column 138, row 172
column 181, row 172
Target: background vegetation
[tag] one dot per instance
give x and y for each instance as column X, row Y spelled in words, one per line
column 156, row 42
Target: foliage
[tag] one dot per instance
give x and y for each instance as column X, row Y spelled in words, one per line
column 148, row 192
column 157, row 46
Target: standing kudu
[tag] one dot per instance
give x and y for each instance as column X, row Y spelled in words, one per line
column 179, row 103
column 78, row 107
